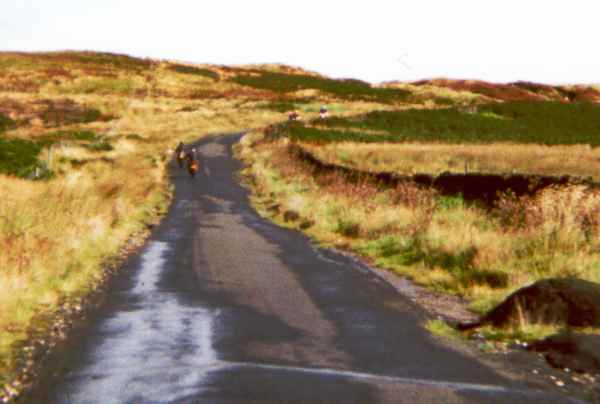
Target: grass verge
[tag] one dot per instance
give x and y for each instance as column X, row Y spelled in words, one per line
column 439, row 242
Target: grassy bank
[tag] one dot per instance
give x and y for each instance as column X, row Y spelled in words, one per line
column 439, row 242
column 437, row 158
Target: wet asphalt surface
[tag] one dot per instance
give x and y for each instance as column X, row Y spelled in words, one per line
column 222, row 306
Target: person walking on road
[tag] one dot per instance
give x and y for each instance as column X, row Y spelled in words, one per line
column 180, row 154
column 192, row 163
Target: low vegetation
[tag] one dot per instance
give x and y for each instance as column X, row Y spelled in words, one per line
column 547, row 123
column 351, row 90
column 18, row 157
column 184, row 69
column 518, row 91
column 5, row 123
column 99, row 128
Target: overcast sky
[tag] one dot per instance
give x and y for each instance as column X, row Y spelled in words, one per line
column 375, row 40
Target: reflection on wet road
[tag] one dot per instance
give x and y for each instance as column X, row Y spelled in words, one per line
column 224, row 307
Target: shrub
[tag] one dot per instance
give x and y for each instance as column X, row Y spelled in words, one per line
column 57, row 136
column 18, row 157
column 284, row 105
column 347, row 89
column 347, row 228
column 6, row 123
column 549, row 123
column 103, row 86
column 450, row 202
column 102, row 59
column 66, row 112
column 99, row 146
column 183, row 69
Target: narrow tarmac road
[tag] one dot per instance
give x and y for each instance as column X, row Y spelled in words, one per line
column 222, row 306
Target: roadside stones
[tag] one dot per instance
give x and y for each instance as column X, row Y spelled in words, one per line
column 571, row 352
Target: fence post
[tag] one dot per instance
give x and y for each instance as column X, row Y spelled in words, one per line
column 50, row 156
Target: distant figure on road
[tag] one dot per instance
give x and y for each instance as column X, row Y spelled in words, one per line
column 192, row 163
column 294, row 116
column 323, row 112
column 180, row 154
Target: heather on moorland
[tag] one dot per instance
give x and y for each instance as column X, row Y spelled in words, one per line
column 539, row 122
column 84, row 142
column 85, row 139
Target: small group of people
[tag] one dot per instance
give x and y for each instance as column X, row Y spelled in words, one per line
column 189, row 156
column 295, row 116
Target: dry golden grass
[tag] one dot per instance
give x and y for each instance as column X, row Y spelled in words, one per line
column 58, row 234
column 55, row 236
column 428, row 93
column 496, row 158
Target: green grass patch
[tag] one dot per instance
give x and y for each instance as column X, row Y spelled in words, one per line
column 99, row 146
column 541, row 122
column 110, row 60
column 6, row 123
column 54, row 116
column 102, row 86
column 394, row 252
column 183, row 69
column 450, row 202
column 67, row 135
column 442, row 329
column 523, row 333
column 284, row 105
column 18, row 157
column 346, row 89
column 298, row 131
column 347, row 228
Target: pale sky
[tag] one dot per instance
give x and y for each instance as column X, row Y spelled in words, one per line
column 546, row 41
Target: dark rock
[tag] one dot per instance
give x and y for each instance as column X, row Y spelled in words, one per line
column 305, row 224
column 274, row 207
column 572, row 302
column 290, row 216
column 578, row 352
